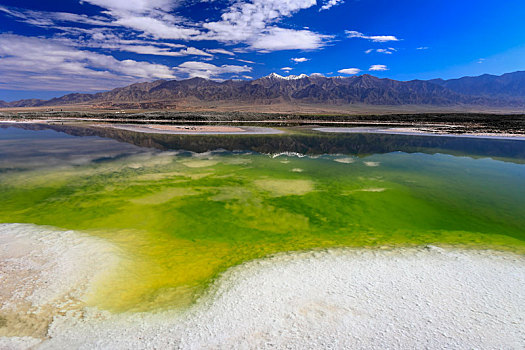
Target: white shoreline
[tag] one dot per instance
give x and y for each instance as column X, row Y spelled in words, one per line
column 255, row 130
column 339, row 298
column 414, row 132
column 251, row 130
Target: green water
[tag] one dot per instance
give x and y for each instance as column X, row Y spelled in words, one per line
column 182, row 219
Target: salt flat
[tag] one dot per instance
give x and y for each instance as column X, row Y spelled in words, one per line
column 425, row 297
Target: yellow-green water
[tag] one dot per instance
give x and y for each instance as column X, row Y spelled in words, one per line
column 182, row 219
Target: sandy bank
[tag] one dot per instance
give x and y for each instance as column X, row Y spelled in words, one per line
column 195, row 129
column 366, row 299
column 428, row 131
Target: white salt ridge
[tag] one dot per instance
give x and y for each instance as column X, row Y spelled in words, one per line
column 371, row 163
column 346, row 160
column 347, row 298
column 288, row 154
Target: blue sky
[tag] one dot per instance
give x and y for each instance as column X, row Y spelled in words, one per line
column 49, row 48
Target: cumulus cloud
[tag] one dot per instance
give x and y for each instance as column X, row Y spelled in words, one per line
column 349, row 71
column 253, row 23
column 245, row 19
column 67, row 60
column 46, row 64
column 209, row 71
column 300, row 59
column 275, row 39
column 374, row 38
column 378, row 67
column 330, row 3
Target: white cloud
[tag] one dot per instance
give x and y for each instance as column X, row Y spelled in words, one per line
column 422, row 48
column 151, row 17
column 222, row 51
column 330, row 3
column 253, row 23
column 245, row 61
column 244, row 19
column 49, row 19
column 250, row 22
column 275, row 39
column 378, row 67
column 300, row 59
column 162, row 51
column 158, row 29
column 387, row 51
column 382, row 38
column 286, row 69
column 44, row 64
column 107, row 40
column 135, row 6
column 374, row 38
column 209, row 71
column 193, row 51
column 349, row 71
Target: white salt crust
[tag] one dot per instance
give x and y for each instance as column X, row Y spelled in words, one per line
column 347, row 298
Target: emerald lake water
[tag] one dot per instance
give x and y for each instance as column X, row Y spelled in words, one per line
column 183, row 209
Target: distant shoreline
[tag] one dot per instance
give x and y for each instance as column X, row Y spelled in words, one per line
column 420, row 132
column 194, row 130
column 465, row 126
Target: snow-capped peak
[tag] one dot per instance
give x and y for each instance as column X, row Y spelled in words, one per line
column 289, row 77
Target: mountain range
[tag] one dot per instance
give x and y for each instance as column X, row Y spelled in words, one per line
column 507, row 90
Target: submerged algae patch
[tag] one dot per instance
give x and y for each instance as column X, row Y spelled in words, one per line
column 200, row 163
column 164, row 196
column 180, row 226
column 285, row 187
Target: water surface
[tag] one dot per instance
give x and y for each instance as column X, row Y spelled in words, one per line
column 183, row 209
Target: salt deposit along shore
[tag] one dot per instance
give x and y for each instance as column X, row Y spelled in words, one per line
column 453, row 131
column 403, row 298
column 195, row 129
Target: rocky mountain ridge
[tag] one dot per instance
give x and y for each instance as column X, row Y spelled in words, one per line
column 485, row 90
